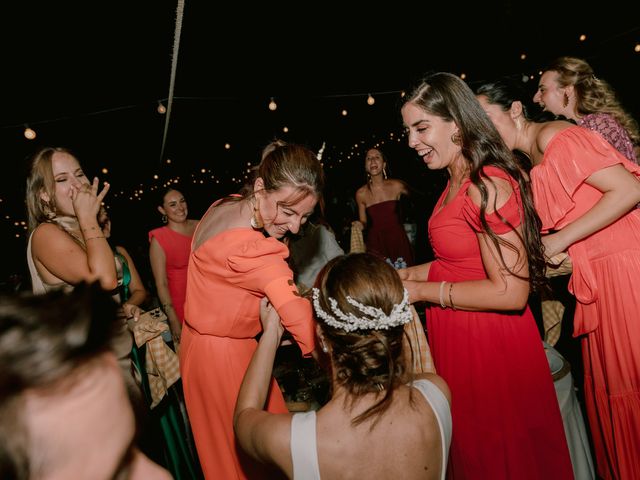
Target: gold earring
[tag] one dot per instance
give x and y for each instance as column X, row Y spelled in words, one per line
column 455, row 138
column 384, row 173
column 256, row 218
column 164, row 219
column 565, row 100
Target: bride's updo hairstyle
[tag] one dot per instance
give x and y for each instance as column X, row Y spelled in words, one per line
column 364, row 359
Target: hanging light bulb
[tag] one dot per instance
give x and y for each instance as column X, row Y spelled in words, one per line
column 371, row 100
column 161, row 108
column 29, row 134
column 272, row 105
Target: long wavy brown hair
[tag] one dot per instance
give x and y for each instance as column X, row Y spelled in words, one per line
column 450, row 98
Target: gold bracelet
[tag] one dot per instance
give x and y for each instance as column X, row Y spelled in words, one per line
column 442, row 304
column 450, row 296
column 93, row 238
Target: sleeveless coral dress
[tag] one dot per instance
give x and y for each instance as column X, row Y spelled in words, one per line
column 228, row 275
column 506, row 418
column 177, row 248
column 386, row 236
column 605, row 279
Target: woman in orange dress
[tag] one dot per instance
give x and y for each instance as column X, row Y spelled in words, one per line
column 585, row 191
column 237, row 259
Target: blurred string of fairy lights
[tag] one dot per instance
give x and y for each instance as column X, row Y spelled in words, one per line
column 331, row 156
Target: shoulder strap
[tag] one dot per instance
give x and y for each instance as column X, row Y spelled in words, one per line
column 304, row 453
column 442, row 410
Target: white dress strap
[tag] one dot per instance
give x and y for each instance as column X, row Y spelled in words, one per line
column 304, row 453
column 440, row 406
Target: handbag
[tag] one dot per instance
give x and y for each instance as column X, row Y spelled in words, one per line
column 357, row 240
column 155, row 314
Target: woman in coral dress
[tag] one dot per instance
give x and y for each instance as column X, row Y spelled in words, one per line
column 586, row 192
column 237, row 259
column 169, row 249
column 483, row 337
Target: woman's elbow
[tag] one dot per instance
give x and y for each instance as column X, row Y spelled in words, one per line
column 516, row 299
column 109, row 284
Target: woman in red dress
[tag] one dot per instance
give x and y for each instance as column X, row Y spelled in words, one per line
column 237, row 259
column 483, row 337
column 169, row 249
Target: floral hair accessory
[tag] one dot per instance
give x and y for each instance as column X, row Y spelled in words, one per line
column 376, row 319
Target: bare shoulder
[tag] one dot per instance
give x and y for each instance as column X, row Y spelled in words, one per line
column 548, row 130
column 361, row 192
column 498, row 191
column 399, row 187
column 50, row 234
column 192, row 224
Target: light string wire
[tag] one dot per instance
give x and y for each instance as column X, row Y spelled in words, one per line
column 174, row 67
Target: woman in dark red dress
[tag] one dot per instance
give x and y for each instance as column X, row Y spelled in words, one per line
column 484, row 340
column 379, row 213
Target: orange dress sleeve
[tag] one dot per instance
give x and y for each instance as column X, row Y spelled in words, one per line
column 570, row 158
column 505, row 218
column 262, row 267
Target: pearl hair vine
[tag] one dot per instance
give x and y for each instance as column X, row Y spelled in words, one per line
column 376, row 320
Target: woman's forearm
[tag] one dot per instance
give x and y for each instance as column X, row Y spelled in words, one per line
column 257, row 379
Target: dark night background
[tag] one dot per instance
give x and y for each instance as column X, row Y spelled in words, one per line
column 89, row 76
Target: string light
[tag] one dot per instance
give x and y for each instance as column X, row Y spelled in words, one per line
column 29, row 133
column 344, row 113
column 582, row 37
column 161, row 108
column 371, row 100
column 272, row 105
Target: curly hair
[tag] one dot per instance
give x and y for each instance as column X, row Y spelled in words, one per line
column 593, row 94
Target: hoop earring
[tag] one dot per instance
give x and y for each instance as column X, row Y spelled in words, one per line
column 565, row 100
column 384, row 173
column 455, row 138
column 164, row 219
column 256, row 218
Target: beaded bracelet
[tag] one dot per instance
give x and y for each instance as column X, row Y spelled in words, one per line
column 450, row 296
column 93, row 238
column 442, row 304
